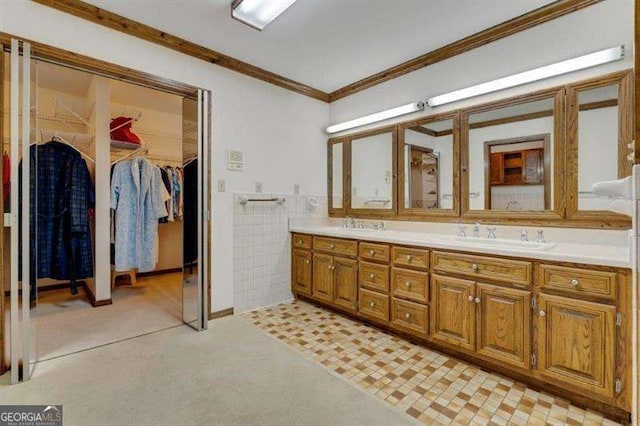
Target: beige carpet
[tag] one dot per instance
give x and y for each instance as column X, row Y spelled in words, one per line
column 68, row 323
column 232, row 374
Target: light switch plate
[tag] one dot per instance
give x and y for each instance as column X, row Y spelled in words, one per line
column 296, row 189
column 221, row 185
column 259, row 187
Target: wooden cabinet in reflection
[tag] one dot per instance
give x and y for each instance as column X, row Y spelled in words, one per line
column 525, row 167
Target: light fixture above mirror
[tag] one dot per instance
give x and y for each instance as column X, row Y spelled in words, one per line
column 258, row 13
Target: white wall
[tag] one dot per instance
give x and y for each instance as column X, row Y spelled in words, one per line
column 596, row 27
column 279, row 131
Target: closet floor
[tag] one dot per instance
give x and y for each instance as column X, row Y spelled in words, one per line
column 68, row 323
column 429, row 386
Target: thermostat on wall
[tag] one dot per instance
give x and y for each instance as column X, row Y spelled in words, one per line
column 235, row 160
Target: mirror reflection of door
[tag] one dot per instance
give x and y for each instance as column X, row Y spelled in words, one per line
column 423, row 178
column 515, row 173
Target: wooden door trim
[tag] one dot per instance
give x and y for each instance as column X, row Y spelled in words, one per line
column 133, row 28
column 346, row 161
column 624, row 80
column 3, row 338
column 421, row 213
column 546, row 144
column 513, row 26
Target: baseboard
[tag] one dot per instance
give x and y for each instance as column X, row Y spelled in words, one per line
column 220, row 314
column 163, row 271
column 92, row 298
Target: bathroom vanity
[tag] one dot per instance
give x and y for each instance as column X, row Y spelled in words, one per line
column 557, row 318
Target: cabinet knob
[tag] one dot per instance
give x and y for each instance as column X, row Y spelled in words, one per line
column 407, row 315
column 372, row 304
column 474, row 266
column 372, row 252
column 408, row 284
column 307, row 261
column 332, row 246
column 477, row 300
column 575, row 282
column 470, row 298
column 372, row 276
column 330, row 267
column 542, row 313
column 299, row 241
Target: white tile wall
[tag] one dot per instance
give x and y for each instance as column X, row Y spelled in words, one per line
column 262, row 247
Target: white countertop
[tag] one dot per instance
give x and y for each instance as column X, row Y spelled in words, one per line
column 592, row 254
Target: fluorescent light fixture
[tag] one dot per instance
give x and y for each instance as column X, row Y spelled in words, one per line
column 378, row 116
column 258, row 13
column 575, row 64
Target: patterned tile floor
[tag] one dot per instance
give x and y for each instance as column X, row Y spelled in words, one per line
column 427, row 385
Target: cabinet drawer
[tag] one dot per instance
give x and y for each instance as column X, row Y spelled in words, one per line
column 377, row 252
column 412, row 285
column 411, row 258
column 409, row 316
column 374, row 276
column 301, row 241
column 336, row 246
column 579, row 281
column 374, row 305
column 508, row 271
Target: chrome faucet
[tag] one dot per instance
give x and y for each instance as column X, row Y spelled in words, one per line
column 492, row 232
column 379, row 226
column 524, row 235
column 461, row 231
column 540, row 237
column 476, row 230
column 349, row 222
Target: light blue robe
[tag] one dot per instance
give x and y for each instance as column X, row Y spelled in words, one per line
column 136, row 197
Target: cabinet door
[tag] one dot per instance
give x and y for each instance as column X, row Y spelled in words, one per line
column 496, row 169
column 323, row 277
column 453, row 311
column 504, row 323
column 345, row 284
column 532, row 172
column 577, row 342
column 301, row 267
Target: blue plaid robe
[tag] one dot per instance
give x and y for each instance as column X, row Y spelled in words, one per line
column 62, row 190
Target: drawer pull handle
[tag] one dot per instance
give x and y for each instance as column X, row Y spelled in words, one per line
column 372, row 252
column 542, row 313
column 470, row 298
column 331, row 267
column 474, row 266
column 332, row 246
column 409, row 257
column 407, row 315
column 575, row 282
column 299, row 241
column 408, row 284
column 372, row 276
column 372, row 304
column 477, row 300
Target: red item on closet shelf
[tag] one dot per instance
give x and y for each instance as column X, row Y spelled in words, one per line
column 121, row 130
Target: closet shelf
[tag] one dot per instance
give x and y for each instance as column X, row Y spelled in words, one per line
column 126, row 145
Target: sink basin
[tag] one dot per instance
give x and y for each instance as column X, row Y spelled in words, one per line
column 501, row 243
column 342, row 228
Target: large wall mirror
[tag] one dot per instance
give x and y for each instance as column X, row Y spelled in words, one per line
column 428, row 172
column 373, row 171
column 511, row 157
column 599, row 131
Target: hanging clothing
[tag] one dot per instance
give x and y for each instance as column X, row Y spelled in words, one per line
column 62, row 191
column 6, row 181
column 136, row 197
column 167, row 195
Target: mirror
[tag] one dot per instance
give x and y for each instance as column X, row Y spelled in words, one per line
column 598, row 144
column 336, row 175
column 372, row 171
column 511, row 157
column 427, row 166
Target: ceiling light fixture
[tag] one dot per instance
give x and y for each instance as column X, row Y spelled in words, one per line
column 378, row 116
column 575, row 64
column 258, row 13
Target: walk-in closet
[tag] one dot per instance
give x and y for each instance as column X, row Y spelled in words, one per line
column 104, row 241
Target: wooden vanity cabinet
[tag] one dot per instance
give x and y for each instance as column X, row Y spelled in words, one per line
column 561, row 326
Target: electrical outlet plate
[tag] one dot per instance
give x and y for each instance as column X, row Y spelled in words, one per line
column 221, row 185
column 259, row 187
column 296, row 189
